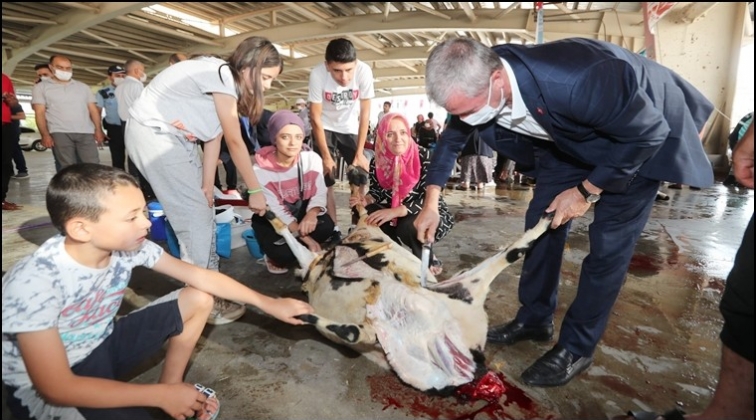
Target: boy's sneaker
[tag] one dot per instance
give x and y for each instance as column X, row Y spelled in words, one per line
column 21, row 175
column 225, row 312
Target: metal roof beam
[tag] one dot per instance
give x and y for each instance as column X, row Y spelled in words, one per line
column 75, row 21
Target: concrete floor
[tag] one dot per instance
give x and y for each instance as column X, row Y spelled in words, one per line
column 661, row 347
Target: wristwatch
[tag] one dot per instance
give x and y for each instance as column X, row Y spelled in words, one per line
column 589, row 198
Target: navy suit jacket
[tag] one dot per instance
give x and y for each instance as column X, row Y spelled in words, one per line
column 603, row 105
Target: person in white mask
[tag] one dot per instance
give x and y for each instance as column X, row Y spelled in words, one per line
column 132, row 86
column 599, row 127
column 111, row 123
column 126, row 94
column 67, row 116
column 43, row 72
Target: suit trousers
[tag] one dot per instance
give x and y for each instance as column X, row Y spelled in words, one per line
column 618, row 220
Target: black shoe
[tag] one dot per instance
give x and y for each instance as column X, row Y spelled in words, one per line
column 555, row 368
column 730, row 181
column 516, row 331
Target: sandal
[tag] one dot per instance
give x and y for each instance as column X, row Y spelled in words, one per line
column 211, row 408
column 436, row 267
column 7, row 205
column 273, row 268
column 674, row 414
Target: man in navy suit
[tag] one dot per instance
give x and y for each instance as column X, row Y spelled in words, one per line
column 597, row 125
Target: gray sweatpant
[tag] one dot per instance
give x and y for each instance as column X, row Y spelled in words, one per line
column 174, row 170
column 73, row 148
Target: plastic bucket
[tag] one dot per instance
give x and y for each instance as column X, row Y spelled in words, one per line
column 224, row 213
column 252, row 245
column 157, row 218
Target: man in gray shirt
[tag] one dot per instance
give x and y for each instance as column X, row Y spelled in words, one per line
column 67, row 117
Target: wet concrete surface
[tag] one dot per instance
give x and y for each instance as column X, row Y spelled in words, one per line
column 661, row 346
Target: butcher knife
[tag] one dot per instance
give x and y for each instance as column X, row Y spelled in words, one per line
column 424, row 263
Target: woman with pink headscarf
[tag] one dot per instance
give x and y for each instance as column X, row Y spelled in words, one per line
column 397, row 186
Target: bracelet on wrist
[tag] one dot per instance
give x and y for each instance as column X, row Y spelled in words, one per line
column 255, row 191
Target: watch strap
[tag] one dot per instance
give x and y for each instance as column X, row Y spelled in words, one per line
column 589, row 198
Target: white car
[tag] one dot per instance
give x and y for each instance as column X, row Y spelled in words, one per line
column 30, row 140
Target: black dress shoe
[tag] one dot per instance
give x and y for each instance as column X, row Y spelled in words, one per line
column 516, row 331
column 555, row 368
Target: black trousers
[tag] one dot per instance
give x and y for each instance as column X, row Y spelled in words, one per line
column 8, row 139
column 281, row 255
column 737, row 301
column 116, row 145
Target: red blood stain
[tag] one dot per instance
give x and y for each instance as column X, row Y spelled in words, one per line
column 388, row 390
column 641, row 265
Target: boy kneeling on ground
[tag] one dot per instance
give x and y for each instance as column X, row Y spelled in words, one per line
column 63, row 350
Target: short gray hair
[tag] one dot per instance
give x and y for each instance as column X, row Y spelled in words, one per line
column 459, row 65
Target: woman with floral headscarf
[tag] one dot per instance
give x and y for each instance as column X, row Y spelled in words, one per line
column 397, row 186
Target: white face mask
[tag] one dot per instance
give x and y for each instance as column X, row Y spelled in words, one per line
column 487, row 113
column 117, row 81
column 44, row 78
column 63, row 75
column 143, row 77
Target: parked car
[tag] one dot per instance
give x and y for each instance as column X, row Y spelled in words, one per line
column 30, row 140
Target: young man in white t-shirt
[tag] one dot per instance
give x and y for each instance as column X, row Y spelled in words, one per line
column 340, row 93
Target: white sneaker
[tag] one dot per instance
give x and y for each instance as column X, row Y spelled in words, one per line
column 225, row 312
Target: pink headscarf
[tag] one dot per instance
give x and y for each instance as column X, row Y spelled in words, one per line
column 396, row 173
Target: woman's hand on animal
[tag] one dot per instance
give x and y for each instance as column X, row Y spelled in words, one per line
column 307, row 224
column 568, row 205
column 182, row 400
column 355, row 200
column 257, row 203
column 379, row 217
column 312, row 244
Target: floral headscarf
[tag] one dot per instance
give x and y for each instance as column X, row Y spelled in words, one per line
column 400, row 173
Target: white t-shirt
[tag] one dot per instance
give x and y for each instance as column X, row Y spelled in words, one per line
column 341, row 104
column 182, row 92
column 49, row 289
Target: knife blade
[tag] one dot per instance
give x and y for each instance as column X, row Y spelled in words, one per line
column 424, row 263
